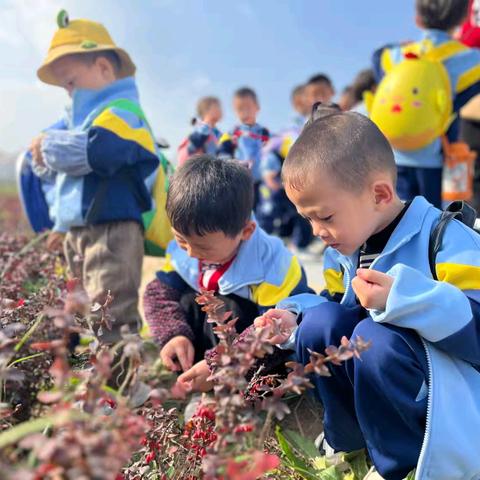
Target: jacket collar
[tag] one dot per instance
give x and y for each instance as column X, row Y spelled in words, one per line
column 86, row 103
column 246, row 269
column 436, row 36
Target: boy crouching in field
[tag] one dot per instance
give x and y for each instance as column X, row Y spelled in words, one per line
column 218, row 247
column 413, row 399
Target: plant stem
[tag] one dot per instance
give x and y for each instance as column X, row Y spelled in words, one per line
column 24, row 359
column 30, row 331
column 266, row 427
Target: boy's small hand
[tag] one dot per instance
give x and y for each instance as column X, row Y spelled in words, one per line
column 36, row 150
column 372, row 288
column 195, row 379
column 286, row 322
column 55, row 241
column 177, row 354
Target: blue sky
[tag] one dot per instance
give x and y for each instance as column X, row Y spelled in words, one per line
column 188, row 48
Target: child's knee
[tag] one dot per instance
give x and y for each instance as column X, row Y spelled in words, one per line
column 324, row 325
column 384, row 349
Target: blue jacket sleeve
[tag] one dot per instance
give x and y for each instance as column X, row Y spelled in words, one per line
column 66, row 151
column 444, row 312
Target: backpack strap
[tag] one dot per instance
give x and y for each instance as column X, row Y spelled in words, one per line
column 444, row 51
column 459, row 210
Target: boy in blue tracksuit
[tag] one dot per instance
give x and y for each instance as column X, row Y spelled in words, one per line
column 413, row 399
column 420, row 171
column 246, row 140
column 101, row 159
column 219, row 248
column 275, row 211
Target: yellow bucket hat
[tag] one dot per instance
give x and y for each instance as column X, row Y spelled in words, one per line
column 81, row 36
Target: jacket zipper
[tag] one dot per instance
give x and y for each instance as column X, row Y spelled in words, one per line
column 418, row 474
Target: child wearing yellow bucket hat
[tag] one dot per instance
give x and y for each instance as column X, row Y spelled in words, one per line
column 102, row 157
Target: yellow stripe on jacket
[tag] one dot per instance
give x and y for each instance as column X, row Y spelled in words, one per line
column 334, row 281
column 464, row 277
column 109, row 121
column 265, row 294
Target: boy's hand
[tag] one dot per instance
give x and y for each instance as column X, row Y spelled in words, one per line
column 55, row 241
column 177, row 354
column 284, row 320
column 372, row 288
column 271, row 182
column 35, row 148
column 195, row 379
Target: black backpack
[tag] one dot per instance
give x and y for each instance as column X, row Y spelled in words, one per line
column 459, row 210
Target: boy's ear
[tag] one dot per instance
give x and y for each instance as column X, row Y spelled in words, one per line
column 418, row 21
column 383, row 192
column 106, row 68
column 248, row 230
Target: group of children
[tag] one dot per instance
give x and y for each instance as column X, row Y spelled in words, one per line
column 413, row 399
column 260, row 151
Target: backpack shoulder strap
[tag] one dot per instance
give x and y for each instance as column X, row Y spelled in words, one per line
column 459, row 210
column 444, row 51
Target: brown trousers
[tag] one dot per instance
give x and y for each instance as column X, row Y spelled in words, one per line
column 106, row 257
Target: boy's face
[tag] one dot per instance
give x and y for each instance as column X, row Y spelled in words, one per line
column 73, row 73
column 246, row 109
column 214, row 113
column 343, row 219
column 318, row 92
column 300, row 103
column 215, row 247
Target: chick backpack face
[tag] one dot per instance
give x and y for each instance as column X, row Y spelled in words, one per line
column 413, row 103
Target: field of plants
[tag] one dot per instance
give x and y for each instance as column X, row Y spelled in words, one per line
column 72, row 407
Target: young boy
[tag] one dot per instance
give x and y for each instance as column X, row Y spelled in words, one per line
column 101, row 160
column 246, row 140
column 413, row 398
column 420, row 171
column 319, row 88
column 217, row 247
column 275, row 211
column 205, row 136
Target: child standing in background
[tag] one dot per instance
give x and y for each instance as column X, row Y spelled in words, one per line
column 246, row 140
column 205, row 136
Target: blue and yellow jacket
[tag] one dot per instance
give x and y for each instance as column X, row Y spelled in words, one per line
column 464, row 71
column 264, row 271
column 445, row 314
column 103, row 161
column 245, row 143
column 203, row 138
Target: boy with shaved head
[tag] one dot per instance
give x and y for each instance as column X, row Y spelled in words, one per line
column 413, row 399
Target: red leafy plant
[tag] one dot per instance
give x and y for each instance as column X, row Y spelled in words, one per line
column 82, row 428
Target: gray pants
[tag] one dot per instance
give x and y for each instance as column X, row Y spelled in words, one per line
column 106, row 257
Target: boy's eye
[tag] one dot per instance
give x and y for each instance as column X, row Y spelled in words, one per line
column 326, row 219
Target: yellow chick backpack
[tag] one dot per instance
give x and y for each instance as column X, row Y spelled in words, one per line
column 413, row 103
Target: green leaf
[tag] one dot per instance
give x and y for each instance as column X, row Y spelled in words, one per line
column 305, row 446
column 16, row 433
column 358, row 463
column 411, row 475
column 331, row 473
column 304, row 470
